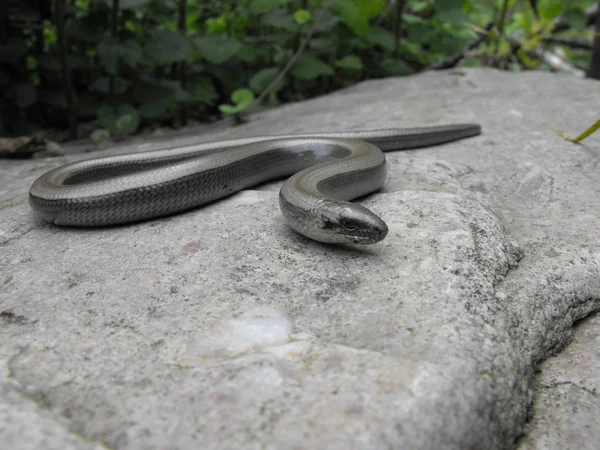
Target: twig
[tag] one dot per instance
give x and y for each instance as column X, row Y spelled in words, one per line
column 554, row 60
column 398, row 27
column 500, row 27
column 578, row 43
column 114, row 31
column 594, row 69
column 453, row 60
column 534, row 8
column 182, row 26
column 59, row 19
column 290, row 63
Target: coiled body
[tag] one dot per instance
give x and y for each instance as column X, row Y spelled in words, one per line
column 330, row 170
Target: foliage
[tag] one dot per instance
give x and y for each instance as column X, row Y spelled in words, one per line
column 138, row 62
column 595, row 127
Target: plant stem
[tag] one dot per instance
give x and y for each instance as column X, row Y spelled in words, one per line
column 59, row 19
column 398, row 26
column 594, row 69
column 290, row 63
column 114, row 32
column 182, row 26
column 453, row 60
column 500, row 27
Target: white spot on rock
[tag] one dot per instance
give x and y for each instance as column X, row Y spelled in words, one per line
column 515, row 113
column 251, row 331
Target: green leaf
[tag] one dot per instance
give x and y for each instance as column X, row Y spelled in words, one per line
column 169, row 46
column 308, row 68
column 576, row 18
column 100, row 135
column 155, row 108
column 371, row 8
column 551, row 9
column 247, row 54
column 204, row 91
column 410, row 19
column 217, row 50
column 423, row 34
column 31, row 62
column 261, row 80
column 280, row 19
column 127, row 122
column 352, row 16
column 108, row 53
column 327, row 21
column 130, row 52
column 418, row 6
column 111, row 51
column 242, row 96
column 381, row 37
column 23, row 94
column 120, row 121
column 106, row 114
column 350, row 62
column 228, row 109
column 301, row 16
column 396, row 67
column 170, row 91
column 451, row 11
column 242, row 99
column 321, row 45
column 265, row 6
column 216, row 25
column 178, row 93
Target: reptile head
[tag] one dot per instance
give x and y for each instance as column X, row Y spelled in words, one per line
column 349, row 223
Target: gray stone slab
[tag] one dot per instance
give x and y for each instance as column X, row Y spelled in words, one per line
column 567, row 395
column 26, row 424
column 221, row 328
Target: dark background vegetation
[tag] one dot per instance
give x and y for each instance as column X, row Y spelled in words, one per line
column 108, row 68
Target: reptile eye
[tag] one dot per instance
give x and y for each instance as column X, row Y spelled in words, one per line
column 348, row 224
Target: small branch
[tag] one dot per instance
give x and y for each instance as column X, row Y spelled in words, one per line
column 500, row 27
column 453, row 60
column 594, row 68
column 534, row 8
column 290, row 63
column 59, row 19
column 114, row 32
column 398, row 26
column 182, row 26
column 577, row 43
column 551, row 58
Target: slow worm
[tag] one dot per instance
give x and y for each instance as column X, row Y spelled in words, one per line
column 330, row 169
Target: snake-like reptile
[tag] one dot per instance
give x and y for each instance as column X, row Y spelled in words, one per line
column 330, row 169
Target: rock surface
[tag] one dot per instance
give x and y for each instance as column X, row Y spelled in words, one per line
column 221, row 328
column 567, row 399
